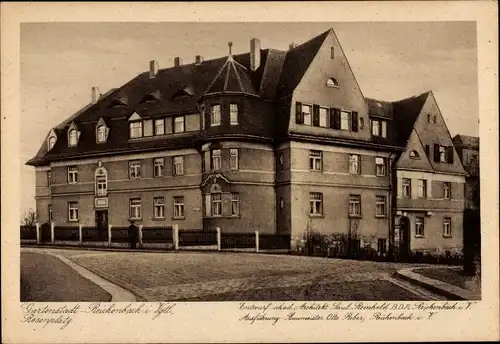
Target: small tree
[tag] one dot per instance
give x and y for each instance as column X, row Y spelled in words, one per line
column 30, row 218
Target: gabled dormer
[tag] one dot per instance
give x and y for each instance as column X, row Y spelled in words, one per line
column 185, row 92
column 120, row 100
column 51, row 140
column 152, row 97
column 135, row 126
column 73, row 135
column 101, row 131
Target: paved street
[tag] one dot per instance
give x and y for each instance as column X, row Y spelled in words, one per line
column 209, row 276
column 46, row 278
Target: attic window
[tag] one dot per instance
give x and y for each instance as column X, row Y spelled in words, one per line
column 152, row 97
column 51, row 142
column 73, row 137
column 101, row 134
column 183, row 93
column 414, row 155
column 332, row 82
column 119, row 102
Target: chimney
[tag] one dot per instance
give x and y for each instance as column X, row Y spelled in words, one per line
column 177, row 61
column 254, row 54
column 198, row 59
column 153, row 68
column 95, row 94
column 292, row 46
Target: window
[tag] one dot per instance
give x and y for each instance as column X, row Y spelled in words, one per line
column 422, row 188
column 419, row 227
column 160, row 126
column 158, row 167
column 135, row 208
column 355, row 205
column 50, row 212
column 379, row 127
column 344, row 120
column 101, row 185
column 179, row 124
column 216, row 159
column 216, row 204
column 147, row 128
column 447, row 190
column 49, row 178
column 332, row 53
column 178, row 165
column 72, row 211
column 233, row 114
column 178, row 207
column 414, row 155
column 135, row 130
column 215, row 115
column 316, row 203
column 406, row 187
column 73, row 137
column 72, row 174
column 380, row 167
column 332, row 82
column 381, row 206
column 442, row 154
column 233, row 158
column 315, row 160
column 323, row 117
column 428, row 118
column 382, row 247
column 447, row 227
column 52, row 142
column 354, row 165
column 306, row 113
column 159, row 207
column 434, row 119
column 101, row 134
column 235, row 204
column 134, row 169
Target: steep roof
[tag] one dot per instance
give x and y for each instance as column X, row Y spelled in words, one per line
column 297, row 62
column 406, row 112
column 466, row 141
column 232, row 78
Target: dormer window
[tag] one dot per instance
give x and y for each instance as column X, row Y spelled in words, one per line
column 135, row 130
column 101, row 131
column 152, row 97
column 101, row 134
column 379, row 127
column 414, row 155
column 332, row 82
column 51, row 142
column 72, row 137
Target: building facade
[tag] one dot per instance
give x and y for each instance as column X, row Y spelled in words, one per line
column 275, row 141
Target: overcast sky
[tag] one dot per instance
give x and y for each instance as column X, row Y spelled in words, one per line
column 60, row 62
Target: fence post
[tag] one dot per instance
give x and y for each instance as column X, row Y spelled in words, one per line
column 52, row 233
column 218, row 238
column 175, row 236
column 109, row 235
column 80, row 234
column 37, row 232
column 140, row 236
column 257, row 241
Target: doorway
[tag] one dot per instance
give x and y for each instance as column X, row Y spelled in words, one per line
column 101, row 223
column 404, row 238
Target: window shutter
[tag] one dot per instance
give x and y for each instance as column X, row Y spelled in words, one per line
column 168, row 166
column 299, row 118
column 354, row 121
column 449, row 154
column 336, row 118
column 332, row 118
column 427, row 151
column 316, row 115
column 436, row 152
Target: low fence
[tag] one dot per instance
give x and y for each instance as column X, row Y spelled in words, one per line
column 162, row 237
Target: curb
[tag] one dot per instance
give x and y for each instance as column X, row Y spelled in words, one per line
column 447, row 290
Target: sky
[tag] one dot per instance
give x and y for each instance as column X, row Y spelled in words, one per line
column 61, row 62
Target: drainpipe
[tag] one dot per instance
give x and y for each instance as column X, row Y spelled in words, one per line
column 391, row 198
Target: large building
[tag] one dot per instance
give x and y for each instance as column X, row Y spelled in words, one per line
column 270, row 140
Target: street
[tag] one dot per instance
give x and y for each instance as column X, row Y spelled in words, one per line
column 210, row 276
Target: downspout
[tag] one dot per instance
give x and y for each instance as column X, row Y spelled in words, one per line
column 390, row 210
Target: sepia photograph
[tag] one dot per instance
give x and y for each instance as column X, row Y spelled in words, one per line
column 249, row 172
column 244, row 161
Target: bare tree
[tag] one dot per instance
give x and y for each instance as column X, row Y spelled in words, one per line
column 30, row 218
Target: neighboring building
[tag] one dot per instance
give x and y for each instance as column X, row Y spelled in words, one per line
column 275, row 141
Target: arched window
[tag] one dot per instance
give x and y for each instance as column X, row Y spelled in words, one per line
column 101, row 133
column 73, row 137
column 332, row 82
column 52, row 142
column 414, row 155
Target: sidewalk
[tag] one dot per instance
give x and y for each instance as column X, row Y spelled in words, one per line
column 448, row 290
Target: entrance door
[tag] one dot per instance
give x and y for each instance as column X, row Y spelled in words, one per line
column 404, row 238
column 101, row 222
column 46, row 236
